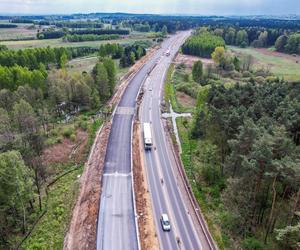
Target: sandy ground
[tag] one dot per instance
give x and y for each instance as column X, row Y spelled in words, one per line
column 188, row 60
column 82, row 231
column 185, row 100
column 67, row 150
column 265, row 51
column 146, row 225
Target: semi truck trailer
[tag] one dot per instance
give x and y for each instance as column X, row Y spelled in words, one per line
column 147, row 136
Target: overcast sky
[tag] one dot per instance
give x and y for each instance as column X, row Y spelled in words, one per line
column 203, row 7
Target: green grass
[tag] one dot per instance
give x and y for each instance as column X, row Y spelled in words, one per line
column 281, row 67
column 50, row 231
column 87, row 64
column 171, row 82
column 82, row 64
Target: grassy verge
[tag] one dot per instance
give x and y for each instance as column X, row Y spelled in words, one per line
column 171, row 92
column 50, row 231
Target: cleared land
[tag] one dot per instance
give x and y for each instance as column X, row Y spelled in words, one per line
column 86, row 64
column 280, row 64
column 23, row 31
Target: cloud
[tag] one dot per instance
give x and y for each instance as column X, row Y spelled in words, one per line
column 237, row 7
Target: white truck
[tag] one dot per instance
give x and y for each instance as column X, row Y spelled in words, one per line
column 147, row 136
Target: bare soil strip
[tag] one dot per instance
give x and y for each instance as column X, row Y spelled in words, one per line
column 148, row 237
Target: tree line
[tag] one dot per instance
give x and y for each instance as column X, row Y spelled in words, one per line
column 78, row 24
column 127, row 55
column 7, row 26
column 202, row 44
column 89, row 37
column 51, row 33
column 252, row 138
column 33, row 58
column 284, row 40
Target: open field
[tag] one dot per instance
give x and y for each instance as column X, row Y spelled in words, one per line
column 87, row 64
column 59, row 43
column 82, row 64
column 283, row 66
column 21, row 32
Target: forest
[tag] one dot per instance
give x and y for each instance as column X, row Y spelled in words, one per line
column 202, row 44
column 51, row 34
column 36, row 94
column 40, row 58
column 252, row 164
column 284, row 40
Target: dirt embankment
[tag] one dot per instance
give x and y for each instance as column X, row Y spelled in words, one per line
column 83, row 227
column 67, row 150
column 82, row 231
column 189, row 60
column 148, row 237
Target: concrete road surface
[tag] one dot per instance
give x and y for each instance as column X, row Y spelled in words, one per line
column 161, row 168
column 116, row 221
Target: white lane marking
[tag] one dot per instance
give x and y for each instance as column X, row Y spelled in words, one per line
column 163, row 144
column 158, row 199
column 120, row 205
column 116, row 174
column 165, row 194
column 156, row 194
column 113, row 211
column 168, row 175
column 173, row 173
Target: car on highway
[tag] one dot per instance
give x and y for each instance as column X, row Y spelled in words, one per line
column 165, row 223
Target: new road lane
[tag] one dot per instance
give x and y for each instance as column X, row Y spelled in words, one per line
column 116, row 221
column 160, row 164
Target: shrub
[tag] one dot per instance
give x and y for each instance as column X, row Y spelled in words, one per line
column 83, row 125
column 247, row 74
column 252, row 244
column 260, row 79
column 73, row 137
column 211, row 174
column 67, row 132
column 272, row 79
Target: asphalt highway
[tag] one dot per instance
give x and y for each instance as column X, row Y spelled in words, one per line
column 162, row 177
column 116, row 228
